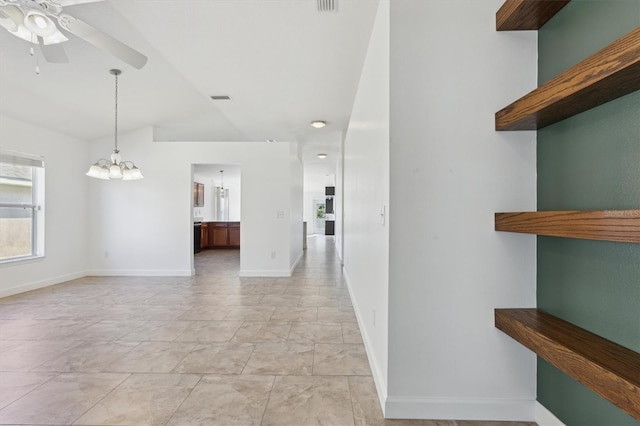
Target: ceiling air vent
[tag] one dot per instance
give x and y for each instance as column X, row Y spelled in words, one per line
column 221, row 97
column 327, row 5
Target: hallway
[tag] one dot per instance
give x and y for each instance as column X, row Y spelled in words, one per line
column 213, row 349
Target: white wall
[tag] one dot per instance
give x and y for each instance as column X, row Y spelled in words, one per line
column 66, row 162
column 450, row 171
column 145, row 227
column 295, row 209
column 338, row 202
column 366, row 191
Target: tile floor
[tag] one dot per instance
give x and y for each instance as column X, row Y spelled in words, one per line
column 213, row 349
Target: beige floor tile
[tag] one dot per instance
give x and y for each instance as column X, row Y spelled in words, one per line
column 262, row 332
column 315, row 332
column 31, row 354
column 237, row 299
column 344, row 360
column 210, row 331
column 142, row 399
column 364, row 398
column 280, row 300
column 345, row 301
column 275, row 290
column 163, row 313
column 309, row 400
column 216, row 358
column 300, row 290
column 225, row 400
column 7, row 345
column 250, row 313
column 107, row 330
column 206, row 313
column 61, row 400
column 14, row 385
column 157, row 331
column 280, row 359
column 330, row 314
column 152, row 357
column 289, row 313
column 40, row 329
column 318, row 301
column 351, row 333
column 88, row 357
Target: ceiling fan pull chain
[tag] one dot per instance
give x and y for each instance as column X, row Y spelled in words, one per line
column 34, row 54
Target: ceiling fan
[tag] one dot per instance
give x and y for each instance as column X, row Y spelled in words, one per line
column 41, row 21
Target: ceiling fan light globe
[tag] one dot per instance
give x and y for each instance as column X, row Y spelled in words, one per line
column 39, row 24
column 11, row 18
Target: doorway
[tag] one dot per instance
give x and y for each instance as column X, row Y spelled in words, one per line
column 320, row 214
column 216, row 213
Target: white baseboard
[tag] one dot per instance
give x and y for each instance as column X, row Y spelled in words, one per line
column 140, row 273
column 378, row 377
column 22, row 288
column 459, row 409
column 544, row 417
column 265, row 273
column 295, row 264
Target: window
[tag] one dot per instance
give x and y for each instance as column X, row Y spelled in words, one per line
column 21, row 206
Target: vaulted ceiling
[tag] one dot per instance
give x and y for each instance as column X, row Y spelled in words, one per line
column 282, row 62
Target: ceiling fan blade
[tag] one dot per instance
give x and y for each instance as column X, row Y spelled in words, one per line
column 65, row 3
column 53, row 52
column 102, row 41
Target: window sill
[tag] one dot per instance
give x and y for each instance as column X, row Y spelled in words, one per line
column 20, row 260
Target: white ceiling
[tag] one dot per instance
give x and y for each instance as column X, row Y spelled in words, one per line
column 283, row 63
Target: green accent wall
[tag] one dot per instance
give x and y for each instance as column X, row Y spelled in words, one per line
column 589, row 161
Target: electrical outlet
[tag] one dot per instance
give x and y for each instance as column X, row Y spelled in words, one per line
column 273, row 254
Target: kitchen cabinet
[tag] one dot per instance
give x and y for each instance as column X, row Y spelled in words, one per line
column 204, row 235
column 218, row 234
column 234, row 234
column 223, row 234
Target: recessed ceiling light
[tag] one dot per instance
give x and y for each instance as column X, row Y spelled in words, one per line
column 322, row 156
column 318, row 124
column 221, row 97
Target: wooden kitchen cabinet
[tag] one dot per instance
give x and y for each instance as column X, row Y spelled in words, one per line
column 218, row 234
column 234, row 234
column 204, row 239
column 222, row 234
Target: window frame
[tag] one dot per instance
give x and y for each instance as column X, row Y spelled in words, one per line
column 37, row 165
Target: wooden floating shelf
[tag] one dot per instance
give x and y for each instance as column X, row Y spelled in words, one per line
column 604, row 225
column 516, row 15
column 610, row 370
column 606, row 75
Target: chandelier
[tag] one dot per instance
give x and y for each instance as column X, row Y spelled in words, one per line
column 115, row 168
